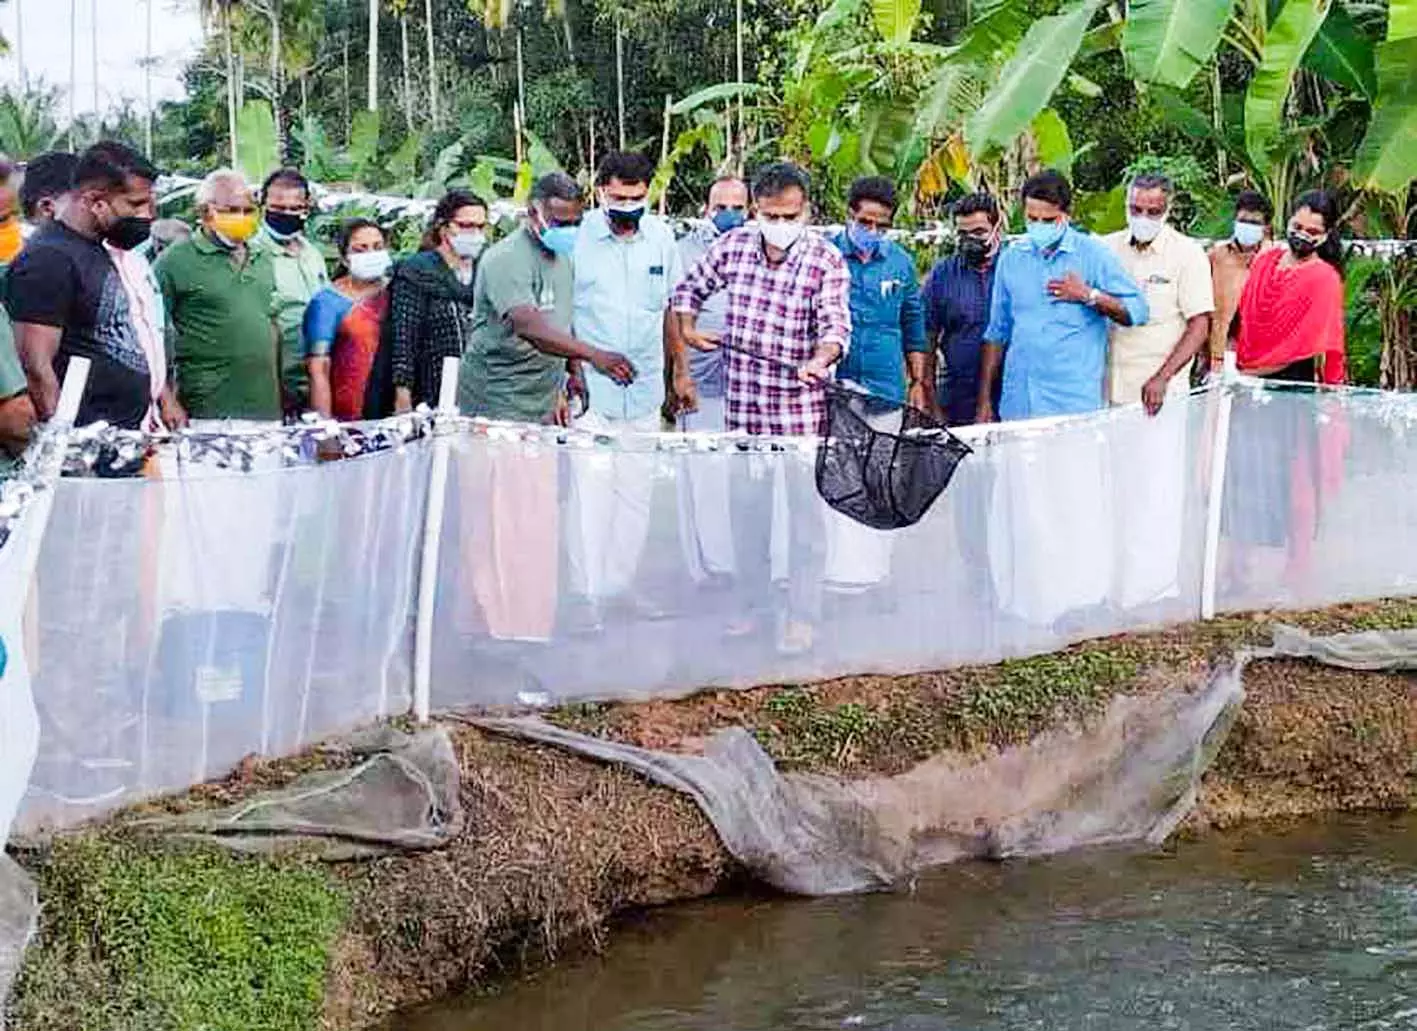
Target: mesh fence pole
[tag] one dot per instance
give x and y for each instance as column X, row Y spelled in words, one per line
column 1224, row 393
column 432, row 542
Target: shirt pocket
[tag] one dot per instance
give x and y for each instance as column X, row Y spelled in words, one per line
column 1162, row 293
column 650, row 287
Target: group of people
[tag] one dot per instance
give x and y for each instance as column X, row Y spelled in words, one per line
column 603, row 319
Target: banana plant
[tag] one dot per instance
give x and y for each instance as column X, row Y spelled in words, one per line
column 1168, row 42
column 1387, row 158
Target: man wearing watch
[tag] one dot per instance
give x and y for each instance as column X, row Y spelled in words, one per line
column 1055, row 295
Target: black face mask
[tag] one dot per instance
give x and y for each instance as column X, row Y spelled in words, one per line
column 284, row 223
column 973, row 250
column 625, row 219
column 128, row 232
column 1302, row 246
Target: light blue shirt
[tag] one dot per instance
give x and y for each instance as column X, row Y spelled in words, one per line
column 1055, row 352
column 623, row 285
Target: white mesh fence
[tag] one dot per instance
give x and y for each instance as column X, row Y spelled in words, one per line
column 187, row 620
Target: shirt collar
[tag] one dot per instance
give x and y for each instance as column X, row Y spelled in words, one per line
column 204, row 243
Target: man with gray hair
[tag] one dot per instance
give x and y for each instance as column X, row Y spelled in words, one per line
column 1146, row 361
column 218, row 293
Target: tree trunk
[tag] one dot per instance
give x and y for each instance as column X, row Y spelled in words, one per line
column 348, row 88
column 407, row 72
column 432, row 64
column 147, row 86
column 231, row 84
column 277, row 82
column 373, row 101
column 620, row 79
column 73, row 69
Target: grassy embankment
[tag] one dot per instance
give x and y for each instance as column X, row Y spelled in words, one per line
column 137, row 934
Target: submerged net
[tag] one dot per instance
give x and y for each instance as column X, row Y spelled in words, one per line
column 883, row 464
column 1131, row 776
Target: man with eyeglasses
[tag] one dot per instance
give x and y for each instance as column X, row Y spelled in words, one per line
column 956, row 298
column 219, row 293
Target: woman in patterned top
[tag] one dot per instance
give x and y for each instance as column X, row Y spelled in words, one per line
column 343, row 322
column 430, row 307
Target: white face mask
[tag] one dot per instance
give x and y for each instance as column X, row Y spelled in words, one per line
column 781, row 234
column 1248, row 234
column 1145, row 229
column 368, row 266
column 468, row 245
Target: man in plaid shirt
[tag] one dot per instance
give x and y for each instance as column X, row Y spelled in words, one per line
column 788, row 295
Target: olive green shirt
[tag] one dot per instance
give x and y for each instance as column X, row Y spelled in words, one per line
column 504, row 376
column 225, row 349
column 299, row 275
column 12, row 383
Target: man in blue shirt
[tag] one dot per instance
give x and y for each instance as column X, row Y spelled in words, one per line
column 956, row 298
column 887, row 321
column 626, row 263
column 888, row 346
column 1054, row 296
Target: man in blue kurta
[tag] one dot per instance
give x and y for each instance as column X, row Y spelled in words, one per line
column 1054, row 296
column 888, row 344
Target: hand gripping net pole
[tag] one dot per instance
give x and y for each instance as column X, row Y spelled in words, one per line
column 879, row 462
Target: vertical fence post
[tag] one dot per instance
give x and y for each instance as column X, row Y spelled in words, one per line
column 1223, row 394
column 76, row 378
column 432, row 541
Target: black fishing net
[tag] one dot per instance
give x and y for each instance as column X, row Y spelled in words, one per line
column 880, row 463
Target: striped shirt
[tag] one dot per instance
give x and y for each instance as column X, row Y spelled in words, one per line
column 783, row 312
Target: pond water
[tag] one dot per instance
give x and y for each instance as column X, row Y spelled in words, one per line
column 1309, row 928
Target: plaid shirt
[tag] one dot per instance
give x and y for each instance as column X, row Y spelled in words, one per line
column 783, row 312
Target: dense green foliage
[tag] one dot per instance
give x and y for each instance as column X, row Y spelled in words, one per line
column 138, row 937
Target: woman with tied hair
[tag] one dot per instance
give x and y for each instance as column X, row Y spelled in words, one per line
column 430, row 307
column 1283, row 463
column 343, row 322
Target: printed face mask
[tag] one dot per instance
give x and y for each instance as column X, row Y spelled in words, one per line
column 868, row 241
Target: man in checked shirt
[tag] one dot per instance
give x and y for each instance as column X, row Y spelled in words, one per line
column 788, row 296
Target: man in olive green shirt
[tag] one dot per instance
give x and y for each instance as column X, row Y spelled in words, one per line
column 299, row 270
column 16, row 411
column 218, row 292
column 521, row 349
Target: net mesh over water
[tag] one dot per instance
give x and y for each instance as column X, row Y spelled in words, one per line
column 180, row 623
column 881, row 464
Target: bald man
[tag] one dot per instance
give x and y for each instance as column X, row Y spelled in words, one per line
column 219, row 293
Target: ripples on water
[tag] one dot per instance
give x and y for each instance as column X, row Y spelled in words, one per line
column 1311, row 929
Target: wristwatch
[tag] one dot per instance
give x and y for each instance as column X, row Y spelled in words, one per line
column 1092, row 296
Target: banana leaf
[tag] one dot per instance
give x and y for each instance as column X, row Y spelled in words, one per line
column 1169, row 41
column 1287, row 41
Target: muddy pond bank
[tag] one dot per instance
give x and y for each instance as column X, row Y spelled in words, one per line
column 554, row 846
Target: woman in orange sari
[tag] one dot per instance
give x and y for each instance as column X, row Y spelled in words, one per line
column 344, row 320
column 1291, row 333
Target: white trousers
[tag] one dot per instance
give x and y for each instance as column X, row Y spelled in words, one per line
column 1149, row 499
column 705, row 526
column 859, row 557
column 610, row 499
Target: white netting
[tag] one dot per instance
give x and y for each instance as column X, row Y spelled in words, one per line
column 181, row 623
column 190, row 620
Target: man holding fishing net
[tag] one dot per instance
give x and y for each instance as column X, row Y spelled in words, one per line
column 788, row 322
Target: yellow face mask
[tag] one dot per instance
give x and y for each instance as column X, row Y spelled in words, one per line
column 238, row 228
column 11, row 240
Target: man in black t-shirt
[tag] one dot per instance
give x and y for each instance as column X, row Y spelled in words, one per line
column 67, row 297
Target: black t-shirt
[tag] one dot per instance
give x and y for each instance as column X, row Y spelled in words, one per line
column 64, row 279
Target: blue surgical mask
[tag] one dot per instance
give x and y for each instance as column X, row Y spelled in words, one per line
column 1248, row 234
column 560, row 240
column 728, row 219
column 1044, row 235
column 867, row 241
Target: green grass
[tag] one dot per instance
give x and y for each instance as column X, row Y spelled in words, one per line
column 152, row 937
